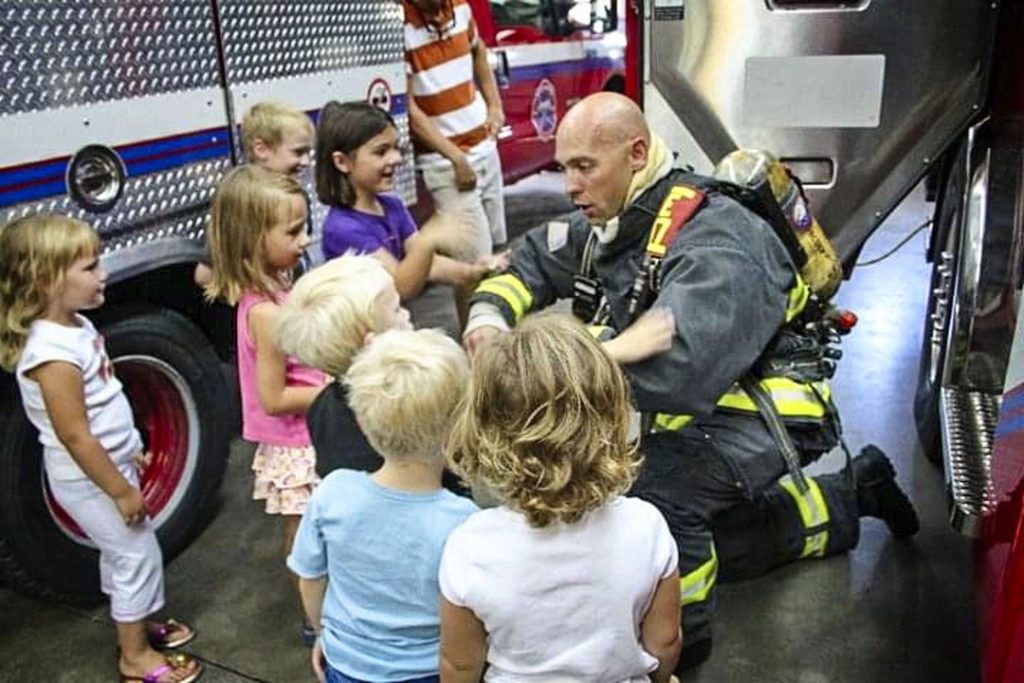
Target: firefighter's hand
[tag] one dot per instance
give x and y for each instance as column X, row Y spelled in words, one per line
column 495, row 121
column 131, row 505
column 465, row 177
column 650, row 335
column 476, row 339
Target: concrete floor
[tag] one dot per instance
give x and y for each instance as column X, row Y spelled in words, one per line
column 887, row 611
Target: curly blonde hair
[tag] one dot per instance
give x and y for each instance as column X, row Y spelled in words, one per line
column 37, row 250
column 545, row 423
column 246, row 205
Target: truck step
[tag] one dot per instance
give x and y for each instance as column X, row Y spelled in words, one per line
column 968, row 427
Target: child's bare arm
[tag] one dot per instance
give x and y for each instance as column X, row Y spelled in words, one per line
column 411, row 272
column 63, row 393
column 312, row 593
column 457, row 273
column 463, row 644
column 276, row 398
column 650, row 335
column 660, row 632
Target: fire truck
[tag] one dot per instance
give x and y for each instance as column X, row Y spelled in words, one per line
column 125, row 115
column 862, row 100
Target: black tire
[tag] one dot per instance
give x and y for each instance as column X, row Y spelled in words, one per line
column 945, row 233
column 182, row 403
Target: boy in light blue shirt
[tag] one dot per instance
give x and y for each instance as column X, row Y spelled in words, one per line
column 368, row 548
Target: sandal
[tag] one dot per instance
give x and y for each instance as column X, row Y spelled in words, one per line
column 175, row 661
column 169, row 634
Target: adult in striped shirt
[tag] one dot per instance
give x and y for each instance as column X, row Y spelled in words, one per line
column 455, row 114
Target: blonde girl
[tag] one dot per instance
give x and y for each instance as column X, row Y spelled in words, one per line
column 49, row 274
column 257, row 234
column 589, row 580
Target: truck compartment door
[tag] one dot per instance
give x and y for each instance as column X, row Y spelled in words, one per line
column 861, row 95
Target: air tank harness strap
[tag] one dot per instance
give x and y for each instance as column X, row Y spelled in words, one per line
column 766, row 409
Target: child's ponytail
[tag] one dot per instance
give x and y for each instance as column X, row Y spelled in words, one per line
column 37, row 251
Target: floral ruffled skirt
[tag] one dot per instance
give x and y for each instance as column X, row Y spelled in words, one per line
column 285, row 477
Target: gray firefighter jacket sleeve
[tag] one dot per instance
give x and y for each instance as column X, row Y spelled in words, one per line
column 545, row 264
column 726, row 279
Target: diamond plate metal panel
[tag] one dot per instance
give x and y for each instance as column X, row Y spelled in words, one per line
column 58, row 53
column 265, row 39
column 153, row 207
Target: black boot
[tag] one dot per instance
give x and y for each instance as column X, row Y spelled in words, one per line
column 878, row 494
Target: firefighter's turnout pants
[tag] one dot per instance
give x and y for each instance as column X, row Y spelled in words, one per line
column 720, row 484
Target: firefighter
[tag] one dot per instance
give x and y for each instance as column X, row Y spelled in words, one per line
column 728, row 482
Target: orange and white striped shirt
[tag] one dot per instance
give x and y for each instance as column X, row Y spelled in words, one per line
column 440, row 69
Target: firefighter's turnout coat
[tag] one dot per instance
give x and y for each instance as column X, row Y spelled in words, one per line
column 731, row 286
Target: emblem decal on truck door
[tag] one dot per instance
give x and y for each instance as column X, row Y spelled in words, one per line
column 544, row 110
column 379, row 94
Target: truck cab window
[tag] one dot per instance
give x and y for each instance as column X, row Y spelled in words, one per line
column 550, row 16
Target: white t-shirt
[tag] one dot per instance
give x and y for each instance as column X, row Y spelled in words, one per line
column 563, row 603
column 106, row 406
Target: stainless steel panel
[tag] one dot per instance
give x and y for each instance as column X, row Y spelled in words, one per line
column 936, row 60
column 58, row 53
column 988, row 260
column 167, row 208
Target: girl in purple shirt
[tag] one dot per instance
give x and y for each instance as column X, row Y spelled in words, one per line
column 357, row 157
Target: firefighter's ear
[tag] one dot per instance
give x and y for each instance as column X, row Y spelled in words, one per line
column 638, row 149
column 341, row 161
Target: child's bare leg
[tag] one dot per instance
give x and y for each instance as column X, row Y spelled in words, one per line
column 138, row 658
column 291, row 526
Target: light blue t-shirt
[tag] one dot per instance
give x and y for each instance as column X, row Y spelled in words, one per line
column 380, row 549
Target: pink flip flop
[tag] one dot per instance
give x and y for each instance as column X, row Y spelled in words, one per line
column 173, row 662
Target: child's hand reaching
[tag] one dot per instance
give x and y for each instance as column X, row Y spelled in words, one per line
column 484, row 266
column 131, row 505
column 496, row 263
column 649, row 336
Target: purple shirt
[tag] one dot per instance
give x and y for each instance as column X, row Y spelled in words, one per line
column 348, row 229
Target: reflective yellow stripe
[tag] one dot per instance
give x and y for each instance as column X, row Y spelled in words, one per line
column 813, row 513
column 663, row 422
column 799, row 293
column 511, row 290
column 792, row 399
column 695, row 586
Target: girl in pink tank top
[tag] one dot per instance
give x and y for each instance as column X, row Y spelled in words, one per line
column 257, row 234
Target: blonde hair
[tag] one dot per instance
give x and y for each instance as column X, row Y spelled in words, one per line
column 545, row 423
column 404, row 387
column 35, row 253
column 330, row 310
column 246, row 205
column 268, row 121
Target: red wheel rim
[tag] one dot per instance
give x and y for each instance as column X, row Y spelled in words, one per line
column 167, row 417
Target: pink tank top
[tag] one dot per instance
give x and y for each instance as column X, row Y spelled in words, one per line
column 257, row 425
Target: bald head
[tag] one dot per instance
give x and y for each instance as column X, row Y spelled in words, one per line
column 602, row 141
column 608, row 117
